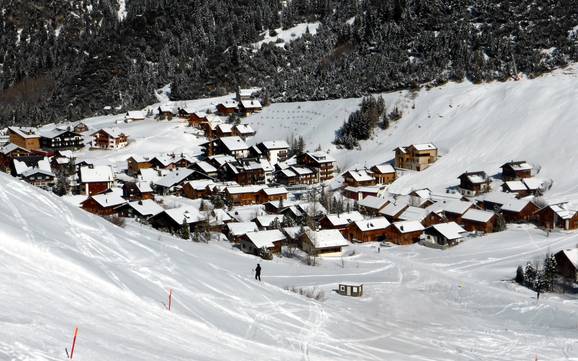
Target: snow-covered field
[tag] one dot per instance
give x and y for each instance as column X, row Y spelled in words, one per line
column 288, row 35
column 61, row 267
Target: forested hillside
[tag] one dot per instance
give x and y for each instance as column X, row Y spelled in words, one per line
column 65, row 59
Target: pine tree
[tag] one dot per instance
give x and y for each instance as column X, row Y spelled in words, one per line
column 550, row 271
column 185, row 230
column 520, row 277
column 531, row 274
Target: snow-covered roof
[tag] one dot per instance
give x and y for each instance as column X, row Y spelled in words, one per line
column 310, row 207
column 222, row 159
column 275, row 144
column 136, row 114
column 372, row 224
column 234, row 143
column 475, row 177
column 244, row 129
column 294, row 232
column 251, row 104
column 498, row 197
column 32, row 171
column 53, row 133
column 366, row 189
column 477, row 215
column 515, row 205
column 450, row 230
column 200, row 184
column 359, row 175
column 247, row 213
column 562, row 211
column 144, row 187
column 394, row 208
column 533, row 183
column 451, row 206
column 301, row 170
column 572, row 255
column 230, row 104
column 190, row 214
column 516, row 186
column 384, row 168
column 265, row 238
column 25, row 132
column 373, row 202
column 97, row 173
column 268, row 219
column 408, row 226
column 243, row 189
column 174, row 178
column 518, row 165
column 288, row 173
column 147, row 207
column 321, row 157
column 10, row 147
column 424, row 146
column 413, row 214
column 166, row 109
column 274, row 191
column 241, row 228
column 148, row 175
column 112, row 132
column 206, row 167
column 111, row 199
column 225, row 128
column 344, row 219
column 326, row 238
column 423, row 193
column 266, row 165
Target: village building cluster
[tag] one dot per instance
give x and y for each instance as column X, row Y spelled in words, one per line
column 267, row 196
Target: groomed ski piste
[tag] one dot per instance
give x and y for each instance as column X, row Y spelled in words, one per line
column 62, row 267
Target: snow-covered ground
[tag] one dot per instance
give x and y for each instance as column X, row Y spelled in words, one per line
column 61, row 267
column 288, row 35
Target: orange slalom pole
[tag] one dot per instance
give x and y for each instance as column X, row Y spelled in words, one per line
column 73, row 342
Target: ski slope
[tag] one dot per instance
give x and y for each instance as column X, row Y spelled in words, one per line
column 62, row 267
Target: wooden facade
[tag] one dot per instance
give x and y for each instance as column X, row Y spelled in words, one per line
column 324, row 164
column 416, row 156
column 516, row 170
column 26, row 138
column 394, row 235
column 474, row 183
column 567, row 266
column 135, row 192
column 105, row 139
column 136, row 164
column 382, row 175
column 556, row 216
column 61, row 140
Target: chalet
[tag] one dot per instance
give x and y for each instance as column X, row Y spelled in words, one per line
column 519, row 210
column 383, row 173
column 197, row 189
column 40, row 178
column 109, row 138
column 95, row 179
column 245, row 94
column 324, row 164
column 149, row 175
column 61, row 139
column 474, row 183
column 371, row 205
column 476, row 220
column 236, row 230
column 358, row 178
column 557, row 216
column 534, row 186
column 165, row 112
column 495, row 200
column 453, row 210
column 243, row 131
column 269, row 221
column 312, row 209
column 567, row 263
column 196, row 119
column 250, row 106
column 359, row 193
column 242, row 195
column 137, row 191
column 246, row 213
column 21, row 165
column 228, row 107
column 416, row 156
column 220, row 160
column 136, row 163
column 271, row 194
column 206, row 168
column 79, row 127
column 224, row 130
column 424, row 216
column 104, row 204
column 516, row 170
column 420, row 198
column 217, row 219
column 173, row 220
column 234, row 146
column 255, row 242
column 247, row 172
column 278, row 206
column 405, row 232
column 134, row 116
column 368, row 230
column 27, row 138
column 275, row 151
column 141, row 209
column 445, row 234
column 393, row 210
column 296, row 175
column 516, row 187
column 340, row 221
column 327, row 242
column 172, row 183
column 11, row 152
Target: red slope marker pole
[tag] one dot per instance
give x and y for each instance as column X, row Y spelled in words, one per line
column 170, row 298
column 73, row 342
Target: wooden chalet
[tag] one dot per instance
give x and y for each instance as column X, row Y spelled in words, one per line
column 250, row 106
column 416, row 156
column 393, row 210
column 445, row 234
column 173, row 220
column 197, row 189
column 224, row 130
column 557, row 216
column 359, row 193
column 371, row 205
column 295, row 175
column 271, row 195
column 453, row 210
column 61, row 139
column 383, row 173
column 9, row 153
column 40, row 178
column 516, row 170
column 95, row 179
column 404, row 232
column 79, row 127
column 476, row 220
column 358, row 178
column 269, row 221
column 27, row 138
column 243, row 131
column 206, row 168
column 567, row 263
column 234, row 146
column 474, row 183
column 524, row 187
column 136, row 163
column 165, row 112
column 368, row 230
column 327, row 242
column 254, row 242
column 172, row 182
column 109, row 138
column 275, row 151
column 247, row 171
column 228, row 107
column 236, row 230
column 137, row 191
column 104, row 204
column 141, row 209
column 519, row 210
column 134, row 116
column 324, row 164
column 340, row 221
column 242, row 195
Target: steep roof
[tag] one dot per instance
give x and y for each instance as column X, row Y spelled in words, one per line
column 326, row 238
column 384, row 168
column 234, row 143
column 450, row 230
column 146, row 207
column 241, row 228
column 344, row 219
column 265, row 238
column 275, row 144
column 98, row 173
column 373, row 202
column 408, row 226
column 372, row 224
column 107, row 200
column 174, row 178
column 113, row 132
column 477, row 215
column 359, row 175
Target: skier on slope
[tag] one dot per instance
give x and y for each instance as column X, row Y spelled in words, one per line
column 258, row 272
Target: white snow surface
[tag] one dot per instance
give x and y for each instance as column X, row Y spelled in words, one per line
column 288, row 35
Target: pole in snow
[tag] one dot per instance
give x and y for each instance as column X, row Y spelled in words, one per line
column 170, row 298
column 73, row 342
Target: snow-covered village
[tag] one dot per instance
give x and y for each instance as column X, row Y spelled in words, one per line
column 289, row 211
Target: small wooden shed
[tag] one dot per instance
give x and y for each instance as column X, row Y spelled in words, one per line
column 350, row 290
